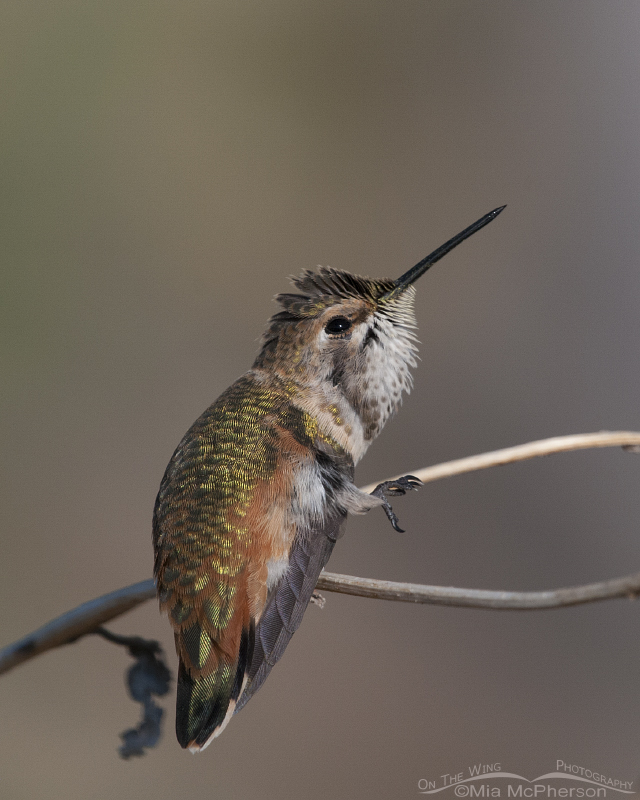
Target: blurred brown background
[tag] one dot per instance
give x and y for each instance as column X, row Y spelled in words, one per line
column 165, row 167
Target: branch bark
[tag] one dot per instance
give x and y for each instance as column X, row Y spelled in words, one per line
column 629, row 586
column 89, row 616
column 628, row 440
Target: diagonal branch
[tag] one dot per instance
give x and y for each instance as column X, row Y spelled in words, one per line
column 89, row 616
column 84, row 619
column 628, row 440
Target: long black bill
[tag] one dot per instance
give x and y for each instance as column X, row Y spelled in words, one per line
column 422, row 266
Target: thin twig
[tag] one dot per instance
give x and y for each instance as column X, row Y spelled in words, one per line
column 87, row 617
column 541, row 447
column 629, row 586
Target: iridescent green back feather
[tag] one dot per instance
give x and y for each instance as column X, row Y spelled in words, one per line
column 204, row 545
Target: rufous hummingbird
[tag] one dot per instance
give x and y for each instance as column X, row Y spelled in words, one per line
column 256, row 494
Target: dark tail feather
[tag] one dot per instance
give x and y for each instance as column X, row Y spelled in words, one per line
column 288, row 601
column 203, row 703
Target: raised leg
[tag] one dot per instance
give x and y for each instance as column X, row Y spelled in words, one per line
column 395, row 488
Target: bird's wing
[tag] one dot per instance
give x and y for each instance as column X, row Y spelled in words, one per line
column 288, row 601
column 204, row 544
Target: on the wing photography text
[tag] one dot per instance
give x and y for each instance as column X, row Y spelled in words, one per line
column 490, row 780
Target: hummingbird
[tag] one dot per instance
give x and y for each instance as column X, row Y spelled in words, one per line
column 256, row 494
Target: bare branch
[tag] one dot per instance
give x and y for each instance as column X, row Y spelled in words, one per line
column 629, row 586
column 75, row 623
column 628, row 440
column 89, row 616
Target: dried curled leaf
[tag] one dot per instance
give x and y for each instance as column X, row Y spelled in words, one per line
column 147, row 677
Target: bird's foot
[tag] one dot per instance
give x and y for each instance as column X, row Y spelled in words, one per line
column 395, row 488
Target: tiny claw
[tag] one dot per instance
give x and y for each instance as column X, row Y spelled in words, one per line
column 404, row 484
column 397, row 487
column 393, row 519
column 318, row 599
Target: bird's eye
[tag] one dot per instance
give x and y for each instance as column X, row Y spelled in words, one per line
column 337, row 325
